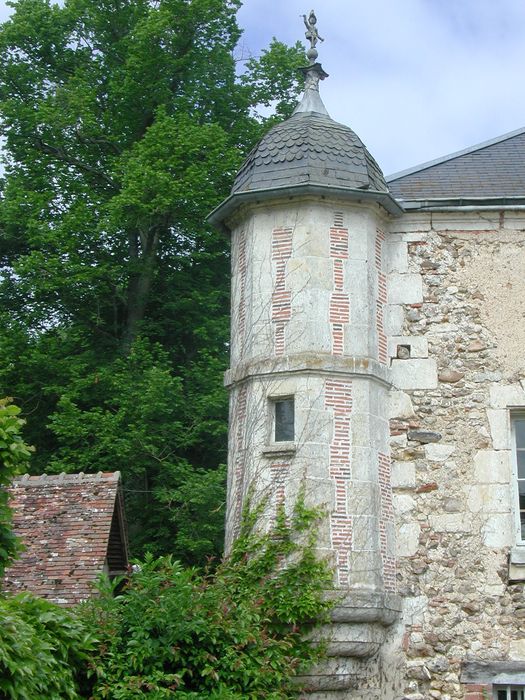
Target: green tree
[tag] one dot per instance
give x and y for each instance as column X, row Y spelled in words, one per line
column 124, row 122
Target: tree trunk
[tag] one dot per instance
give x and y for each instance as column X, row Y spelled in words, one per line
column 143, row 258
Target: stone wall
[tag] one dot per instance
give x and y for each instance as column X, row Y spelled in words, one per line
column 456, row 340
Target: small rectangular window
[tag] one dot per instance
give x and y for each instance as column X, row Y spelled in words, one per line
column 518, row 429
column 284, row 419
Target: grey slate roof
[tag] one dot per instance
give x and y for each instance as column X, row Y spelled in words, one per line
column 493, row 169
column 310, row 148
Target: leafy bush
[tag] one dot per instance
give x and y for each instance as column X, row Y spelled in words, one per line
column 43, row 650
column 237, row 633
column 14, row 458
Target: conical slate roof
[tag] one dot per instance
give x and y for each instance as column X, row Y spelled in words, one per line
column 310, row 148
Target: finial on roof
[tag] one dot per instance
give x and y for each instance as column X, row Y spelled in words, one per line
column 314, row 72
column 312, row 35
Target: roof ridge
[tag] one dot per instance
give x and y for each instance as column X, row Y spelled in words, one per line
column 64, row 478
column 451, row 156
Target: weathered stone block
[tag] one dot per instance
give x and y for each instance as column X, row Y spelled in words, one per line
column 492, row 467
column 468, row 221
column 506, row 395
column 417, row 222
column 394, row 317
column 517, row 649
column 414, row 374
column 400, row 405
column 396, row 257
column 311, row 272
column 439, row 453
column 403, row 475
column 363, row 498
column 365, row 534
column 450, row 522
column 407, row 540
column 403, row 503
column 365, row 570
column 489, row 498
column 497, row 530
column 405, row 288
column 499, row 428
column 364, row 463
column 356, row 340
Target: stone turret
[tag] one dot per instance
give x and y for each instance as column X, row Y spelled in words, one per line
column 309, row 377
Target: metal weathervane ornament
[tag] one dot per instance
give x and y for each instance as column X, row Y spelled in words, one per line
column 312, row 35
column 314, row 72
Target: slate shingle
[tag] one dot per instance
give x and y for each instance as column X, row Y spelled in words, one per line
column 496, row 169
column 310, row 148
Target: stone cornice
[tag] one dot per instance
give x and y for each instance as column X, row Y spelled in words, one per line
column 306, row 363
column 224, row 211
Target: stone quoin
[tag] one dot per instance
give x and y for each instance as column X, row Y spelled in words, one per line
column 379, row 325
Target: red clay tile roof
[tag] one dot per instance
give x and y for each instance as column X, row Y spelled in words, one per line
column 73, row 528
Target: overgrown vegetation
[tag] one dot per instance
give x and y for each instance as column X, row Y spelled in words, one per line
column 44, row 650
column 237, row 633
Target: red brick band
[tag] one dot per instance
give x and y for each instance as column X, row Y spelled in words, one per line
column 339, row 312
column 386, row 517
column 238, row 430
column 338, row 397
column 381, row 298
column 281, row 297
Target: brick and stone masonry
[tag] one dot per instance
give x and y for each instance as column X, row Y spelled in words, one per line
column 339, row 300
column 338, row 399
column 281, row 296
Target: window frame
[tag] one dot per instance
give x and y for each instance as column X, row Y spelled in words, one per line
column 274, row 400
column 516, row 415
column 507, row 688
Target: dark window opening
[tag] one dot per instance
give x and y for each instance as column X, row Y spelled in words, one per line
column 284, row 420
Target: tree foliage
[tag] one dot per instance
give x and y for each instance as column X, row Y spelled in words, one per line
column 14, row 459
column 124, row 122
column 236, row 634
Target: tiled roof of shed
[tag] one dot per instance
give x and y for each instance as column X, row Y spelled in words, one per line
column 71, row 526
column 492, row 169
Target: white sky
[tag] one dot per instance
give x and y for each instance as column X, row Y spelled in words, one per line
column 415, row 79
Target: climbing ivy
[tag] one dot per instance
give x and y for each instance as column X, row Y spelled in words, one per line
column 238, row 633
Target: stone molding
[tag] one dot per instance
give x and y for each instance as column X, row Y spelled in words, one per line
column 495, row 672
column 315, row 363
column 366, row 607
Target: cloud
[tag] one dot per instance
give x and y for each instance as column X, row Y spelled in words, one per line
column 416, row 79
